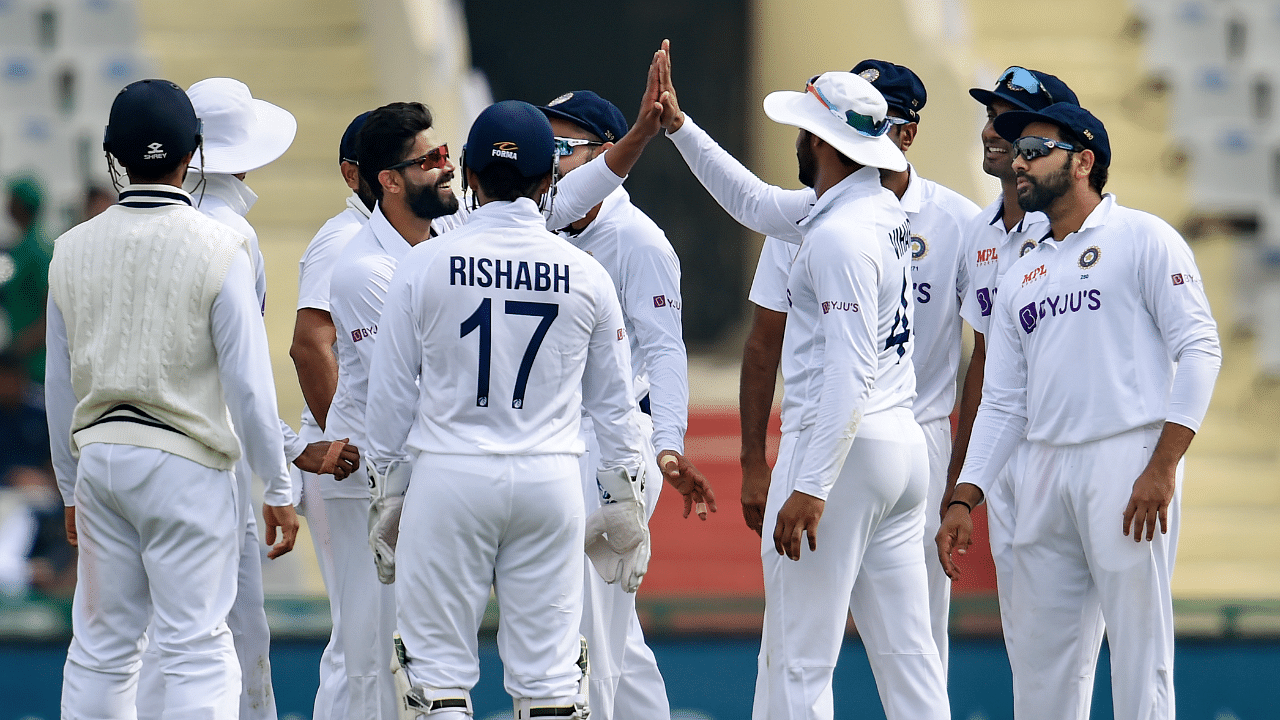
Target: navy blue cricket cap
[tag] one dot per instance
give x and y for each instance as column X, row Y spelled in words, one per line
column 902, row 89
column 348, row 148
column 1027, row 90
column 1072, row 118
column 151, row 124
column 590, row 112
column 515, row 133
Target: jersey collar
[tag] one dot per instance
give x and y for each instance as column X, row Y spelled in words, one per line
column 389, row 239
column 143, row 196
column 1097, row 218
column 355, row 203
column 913, row 198
column 230, row 189
column 860, row 182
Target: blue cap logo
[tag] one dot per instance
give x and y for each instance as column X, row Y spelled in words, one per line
column 507, row 150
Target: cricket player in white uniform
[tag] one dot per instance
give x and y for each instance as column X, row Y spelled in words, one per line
column 1000, row 234
column 493, row 339
column 849, row 436
column 316, row 363
column 938, row 216
column 241, row 134
column 407, row 168
column 625, row 680
column 154, row 334
column 1103, row 354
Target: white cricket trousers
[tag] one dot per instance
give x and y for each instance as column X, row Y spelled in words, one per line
column 511, row 522
column 1070, row 565
column 937, row 439
column 367, row 610
column 625, row 681
column 331, row 696
column 159, row 543
column 868, row 560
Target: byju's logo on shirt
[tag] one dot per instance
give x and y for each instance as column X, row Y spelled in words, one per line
column 361, row 333
column 985, row 297
column 664, row 301
column 839, row 305
column 1031, row 314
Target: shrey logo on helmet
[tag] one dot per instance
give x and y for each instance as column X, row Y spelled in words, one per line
column 155, row 151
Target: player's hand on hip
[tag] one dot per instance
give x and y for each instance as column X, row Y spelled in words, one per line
column 337, row 458
column 69, row 519
column 285, row 520
column 955, row 535
column 680, row 474
column 800, row 514
column 672, row 117
column 1152, row 493
column 755, row 491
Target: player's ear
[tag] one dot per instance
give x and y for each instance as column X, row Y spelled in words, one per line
column 390, row 181
column 606, row 146
column 907, row 135
column 1084, row 163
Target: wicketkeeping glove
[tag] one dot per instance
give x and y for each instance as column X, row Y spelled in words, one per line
column 388, row 491
column 617, row 538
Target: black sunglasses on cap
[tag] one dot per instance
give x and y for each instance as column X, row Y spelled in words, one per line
column 1031, row 147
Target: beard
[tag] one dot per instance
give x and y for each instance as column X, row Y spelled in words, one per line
column 426, row 201
column 808, row 164
column 1040, row 194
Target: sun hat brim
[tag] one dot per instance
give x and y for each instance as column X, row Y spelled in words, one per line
column 802, row 110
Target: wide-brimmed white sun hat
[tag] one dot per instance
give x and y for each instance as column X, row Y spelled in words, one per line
column 240, row 133
column 845, row 111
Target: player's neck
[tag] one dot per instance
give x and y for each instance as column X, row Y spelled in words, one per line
column 411, row 227
column 1068, row 213
column 1013, row 213
column 895, row 182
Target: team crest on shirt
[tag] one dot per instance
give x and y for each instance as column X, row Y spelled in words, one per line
column 1090, row 257
column 919, row 247
column 1027, row 246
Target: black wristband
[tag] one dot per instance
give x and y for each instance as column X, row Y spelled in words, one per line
column 960, row 502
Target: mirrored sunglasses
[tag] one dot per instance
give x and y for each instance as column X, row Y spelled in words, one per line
column 565, row 146
column 436, row 157
column 864, row 124
column 1031, row 147
column 1020, row 78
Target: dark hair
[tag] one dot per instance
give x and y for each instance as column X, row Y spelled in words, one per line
column 501, row 181
column 387, row 135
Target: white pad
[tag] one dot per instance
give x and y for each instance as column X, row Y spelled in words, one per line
column 422, row 701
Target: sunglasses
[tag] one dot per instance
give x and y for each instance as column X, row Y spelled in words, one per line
column 434, row 158
column 565, row 146
column 1031, row 147
column 1019, row 78
column 864, row 124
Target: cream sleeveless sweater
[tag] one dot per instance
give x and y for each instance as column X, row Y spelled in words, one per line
column 136, row 286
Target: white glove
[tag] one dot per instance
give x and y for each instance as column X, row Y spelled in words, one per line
column 617, row 537
column 384, row 516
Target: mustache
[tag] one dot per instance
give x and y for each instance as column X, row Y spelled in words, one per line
column 445, row 179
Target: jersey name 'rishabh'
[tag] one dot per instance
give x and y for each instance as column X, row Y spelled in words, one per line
column 508, row 274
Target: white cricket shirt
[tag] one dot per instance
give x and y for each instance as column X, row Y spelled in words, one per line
column 991, row 251
column 1100, row 333
column 513, row 332
column 939, row 279
column 646, row 273
column 358, row 289
column 849, row 325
